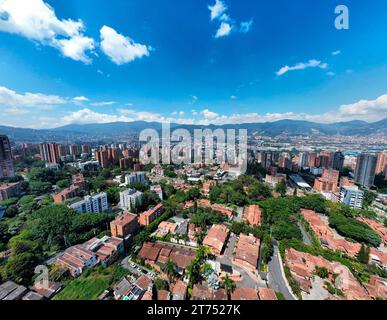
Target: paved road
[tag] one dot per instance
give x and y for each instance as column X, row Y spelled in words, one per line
column 248, row 279
column 276, row 277
column 137, row 270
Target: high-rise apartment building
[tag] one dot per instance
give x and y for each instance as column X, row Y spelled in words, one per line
column 338, row 161
column 102, row 157
column 135, row 177
column 303, row 160
column 74, row 150
column 312, row 157
column 130, row 199
column 352, row 197
column 86, row 149
column 92, row 204
column 6, row 162
column 382, row 163
column 114, row 155
column 49, row 152
column 365, row 169
column 328, row 182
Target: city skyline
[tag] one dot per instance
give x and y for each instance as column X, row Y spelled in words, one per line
column 201, row 62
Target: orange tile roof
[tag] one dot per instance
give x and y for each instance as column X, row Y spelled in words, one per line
column 266, row 294
column 252, row 215
column 216, row 237
column 244, row 294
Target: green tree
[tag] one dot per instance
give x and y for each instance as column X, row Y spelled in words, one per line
column 11, row 211
column 322, row 272
column 281, row 188
column 364, row 254
column 169, row 268
column 65, row 183
column 228, row 284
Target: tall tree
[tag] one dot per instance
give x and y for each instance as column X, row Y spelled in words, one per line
column 364, row 254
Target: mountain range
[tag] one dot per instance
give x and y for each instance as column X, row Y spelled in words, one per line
column 115, row 130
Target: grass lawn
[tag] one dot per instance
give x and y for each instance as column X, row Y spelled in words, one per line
column 91, row 284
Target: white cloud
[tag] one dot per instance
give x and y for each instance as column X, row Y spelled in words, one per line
column 121, row 49
column 102, row 103
column 10, row 98
column 37, row 21
column 88, row 116
column 313, row 63
column 217, row 10
column 336, row 53
column 331, row 74
column 81, row 99
column 233, row 97
column 207, row 114
column 224, row 30
column 246, row 26
column 370, row 108
column 76, row 48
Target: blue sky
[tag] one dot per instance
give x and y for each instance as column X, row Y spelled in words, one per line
column 191, row 61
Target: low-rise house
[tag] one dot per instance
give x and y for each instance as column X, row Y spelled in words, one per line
column 377, row 287
column 303, row 266
column 179, row 290
column 275, row 179
column 158, row 254
column 266, row 294
column 205, row 203
column 244, row 294
column 252, row 215
column 121, row 289
column 12, row 291
column 207, row 185
column 163, row 295
column 247, row 252
column 78, row 180
column 216, row 238
column 76, row 259
column 33, row 296
column 48, row 292
column 10, row 190
column 166, row 228
column 107, row 249
column 67, row 194
column 202, row 292
column 104, row 251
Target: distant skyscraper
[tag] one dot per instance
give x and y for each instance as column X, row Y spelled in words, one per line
column 365, row 169
column 312, row 157
column 49, row 152
column 6, row 162
column 303, row 160
column 62, row 151
column 86, row 149
column 74, row 150
column 382, row 163
column 102, row 157
column 338, row 161
column 114, row 155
